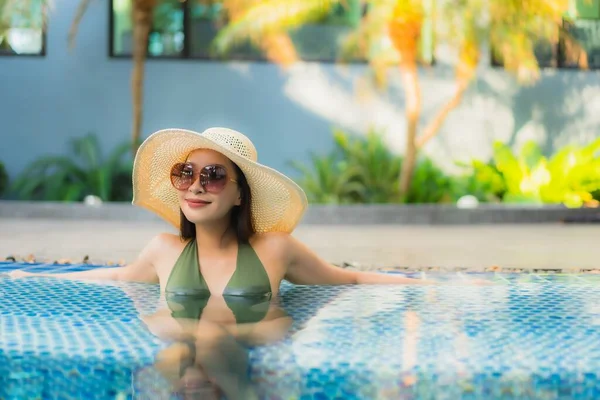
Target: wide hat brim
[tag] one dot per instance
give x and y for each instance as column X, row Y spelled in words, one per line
column 278, row 203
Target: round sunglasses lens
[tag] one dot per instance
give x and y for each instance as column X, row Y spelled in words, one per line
column 181, row 176
column 214, row 178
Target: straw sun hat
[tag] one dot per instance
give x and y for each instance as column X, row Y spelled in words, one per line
column 278, row 203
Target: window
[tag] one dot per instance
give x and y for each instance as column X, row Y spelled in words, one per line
column 186, row 30
column 166, row 37
column 545, row 52
column 317, row 41
column 582, row 49
column 579, row 40
column 21, row 30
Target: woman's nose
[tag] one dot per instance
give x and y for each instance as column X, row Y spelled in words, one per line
column 196, row 187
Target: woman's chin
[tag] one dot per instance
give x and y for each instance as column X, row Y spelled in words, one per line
column 197, row 220
column 199, row 217
column 208, row 214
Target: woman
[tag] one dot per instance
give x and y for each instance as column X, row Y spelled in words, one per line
column 234, row 246
column 231, row 211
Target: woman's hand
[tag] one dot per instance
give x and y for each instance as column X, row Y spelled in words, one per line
column 141, row 270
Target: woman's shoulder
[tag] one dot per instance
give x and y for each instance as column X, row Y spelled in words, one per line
column 270, row 239
column 273, row 248
column 166, row 238
column 165, row 241
column 162, row 250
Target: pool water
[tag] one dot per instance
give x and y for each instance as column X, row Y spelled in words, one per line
column 528, row 336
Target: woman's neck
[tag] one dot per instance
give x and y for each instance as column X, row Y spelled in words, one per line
column 218, row 235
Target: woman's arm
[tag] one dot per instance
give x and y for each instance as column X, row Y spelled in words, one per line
column 97, row 273
column 306, row 268
column 141, row 270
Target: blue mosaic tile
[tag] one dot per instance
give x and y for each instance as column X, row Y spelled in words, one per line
column 527, row 336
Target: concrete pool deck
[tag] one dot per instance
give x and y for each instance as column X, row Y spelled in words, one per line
column 541, row 246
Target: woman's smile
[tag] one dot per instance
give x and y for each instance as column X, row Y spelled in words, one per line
column 197, row 203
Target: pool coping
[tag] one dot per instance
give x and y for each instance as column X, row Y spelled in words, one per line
column 368, row 214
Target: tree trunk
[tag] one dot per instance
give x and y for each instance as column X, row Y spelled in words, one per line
column 436, row 123
column 142, row 13
column 412, row 94
column 81, row 9
column 465, row 73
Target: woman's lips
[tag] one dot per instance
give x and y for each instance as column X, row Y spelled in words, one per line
column 197, row 203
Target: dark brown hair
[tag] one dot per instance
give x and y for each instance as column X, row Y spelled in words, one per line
column 241, row 220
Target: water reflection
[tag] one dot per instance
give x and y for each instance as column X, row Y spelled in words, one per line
column 515, row 337
column 210, row 339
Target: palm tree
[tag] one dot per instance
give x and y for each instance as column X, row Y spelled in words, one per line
column 142, row 13
column 390, row 35
column 276, row 45
column 141, row 16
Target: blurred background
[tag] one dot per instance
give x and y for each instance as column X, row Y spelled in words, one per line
column 389, row 113
column 381, row 101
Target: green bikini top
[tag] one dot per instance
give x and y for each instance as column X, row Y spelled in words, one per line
column 248, row 287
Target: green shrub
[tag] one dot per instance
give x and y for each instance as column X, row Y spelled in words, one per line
column 363, row 170
column 86, row 172
column 570, row 177
column 3, row 179
column 429, row 184
column 483, row 181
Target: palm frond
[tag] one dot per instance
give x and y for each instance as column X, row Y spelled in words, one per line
column 113, row 168
column 81, row 9
column 373, row 27
column 271, row 16
column 405, row 29
column 3, row 179
column 517, row 26
column 42, row 174
column 236, row 8
column 87, row 149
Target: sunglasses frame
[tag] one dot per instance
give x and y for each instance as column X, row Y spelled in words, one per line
column 197, row 174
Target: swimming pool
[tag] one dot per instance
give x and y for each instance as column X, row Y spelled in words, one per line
column 527, row 336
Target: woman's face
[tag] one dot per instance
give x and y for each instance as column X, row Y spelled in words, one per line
column 214, row 201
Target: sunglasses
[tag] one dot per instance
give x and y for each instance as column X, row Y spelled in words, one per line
column 213, row 178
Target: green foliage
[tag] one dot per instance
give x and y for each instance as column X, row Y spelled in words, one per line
column 331, row 181
column 376, row 167
column 429, row 184
column 483, row 181
column 570, row 177
column 3, row 179
column 86, row 172
column 364, row 170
